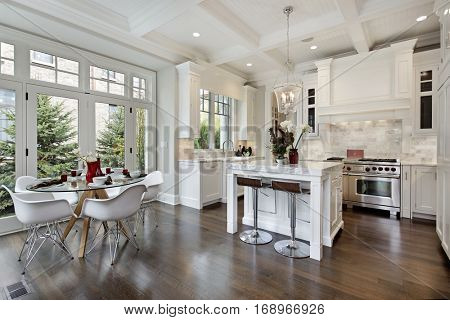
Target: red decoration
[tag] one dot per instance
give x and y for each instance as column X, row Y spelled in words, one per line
column 92, row 168
column 293, row 156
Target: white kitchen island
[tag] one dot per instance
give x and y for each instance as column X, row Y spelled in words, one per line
column 319, row 213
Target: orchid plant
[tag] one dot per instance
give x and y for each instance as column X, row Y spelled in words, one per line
column 282, row 137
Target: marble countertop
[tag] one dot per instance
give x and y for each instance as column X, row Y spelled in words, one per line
column 312, row 168
column 418, row 163
column 227, row 159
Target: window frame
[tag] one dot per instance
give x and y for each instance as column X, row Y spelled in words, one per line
column 145, row 88
column 53, row 67
column 108, row 81
column 307, row 107
column 214, row 98
column 8, row 59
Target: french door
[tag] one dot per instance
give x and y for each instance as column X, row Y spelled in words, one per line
column 12, row 149
column 55, row 130
column 43, row 132
column 124, row 133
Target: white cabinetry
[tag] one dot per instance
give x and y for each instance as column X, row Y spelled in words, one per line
column 406, row 192
column 200, row 183
column 211, row 181
column 245, row 114
column 424, row 190
column 189, row 99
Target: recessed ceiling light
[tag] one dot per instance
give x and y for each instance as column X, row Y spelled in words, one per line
column 313, row 47
column 421, row 18
column 249, row 64
column 196, row 34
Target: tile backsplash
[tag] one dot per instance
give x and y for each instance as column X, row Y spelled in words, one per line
column 382, row 139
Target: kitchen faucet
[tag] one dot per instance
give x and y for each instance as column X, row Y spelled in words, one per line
column 223, row 144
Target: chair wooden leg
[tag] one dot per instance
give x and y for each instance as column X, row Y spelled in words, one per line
column 84, row 236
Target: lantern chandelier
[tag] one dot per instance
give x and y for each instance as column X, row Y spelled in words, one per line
column 288, row 93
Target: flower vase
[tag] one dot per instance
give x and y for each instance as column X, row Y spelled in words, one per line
column 293, row 156
column 91, row 170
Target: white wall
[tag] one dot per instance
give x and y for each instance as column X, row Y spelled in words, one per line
column 221, row 82
column 166, row 119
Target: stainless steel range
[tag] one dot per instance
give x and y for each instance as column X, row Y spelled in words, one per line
column 373, row 183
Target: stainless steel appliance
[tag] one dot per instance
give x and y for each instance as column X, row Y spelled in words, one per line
column 373, row 183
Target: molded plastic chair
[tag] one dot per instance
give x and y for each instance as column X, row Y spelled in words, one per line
column 36, row 212
column 24, row 181
column 152, row 182
column 114, row 210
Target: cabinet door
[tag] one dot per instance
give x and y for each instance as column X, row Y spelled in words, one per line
column 424, row 187
column 211, row 178
column 406, row 192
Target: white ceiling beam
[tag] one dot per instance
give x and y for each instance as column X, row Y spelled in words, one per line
column 58, row 11
column 350, row 11
column 229, row 23
column 277, row 39
column 155, row 15
column 377, row 9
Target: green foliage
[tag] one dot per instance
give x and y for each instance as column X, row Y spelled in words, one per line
column 55, row 131
column 111, row 140
column 140, row 138
column 55, row 152
column 202, row 141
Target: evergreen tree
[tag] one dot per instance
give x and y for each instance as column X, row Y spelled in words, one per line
column 140, row 138
column 55, row 151
column 111, row 140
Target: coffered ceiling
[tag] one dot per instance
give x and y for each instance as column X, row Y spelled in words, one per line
column 232, row 33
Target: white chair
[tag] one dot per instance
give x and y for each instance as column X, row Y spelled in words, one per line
column 116, row 210
column 24, row 181
column 40, row 211
column 153, row 183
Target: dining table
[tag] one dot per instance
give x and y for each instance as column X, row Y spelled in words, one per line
column 85, row 191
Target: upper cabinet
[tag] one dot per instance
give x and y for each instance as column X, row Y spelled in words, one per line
column 189, row 99
column 425, row 113
column 245, row 114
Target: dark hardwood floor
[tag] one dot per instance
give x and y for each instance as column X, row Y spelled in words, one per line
column 190, row 256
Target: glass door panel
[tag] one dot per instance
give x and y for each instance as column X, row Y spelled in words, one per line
column 110, row 134
column 57, row 135
column 12, row 150
column 7, row 148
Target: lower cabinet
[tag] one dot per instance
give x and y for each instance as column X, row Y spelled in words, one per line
column 211, row 181
column 419, row 198
column 200, row 183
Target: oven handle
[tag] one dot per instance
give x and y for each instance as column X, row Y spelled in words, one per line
column 372, row 176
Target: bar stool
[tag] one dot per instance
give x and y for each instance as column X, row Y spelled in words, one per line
column 254, row 236
column 291, row 248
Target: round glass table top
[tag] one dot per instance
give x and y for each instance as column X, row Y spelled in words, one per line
column 80, row 184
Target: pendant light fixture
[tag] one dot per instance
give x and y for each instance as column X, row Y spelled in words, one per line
column 288, row 92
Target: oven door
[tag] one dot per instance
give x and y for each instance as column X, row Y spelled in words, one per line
column 374, row 190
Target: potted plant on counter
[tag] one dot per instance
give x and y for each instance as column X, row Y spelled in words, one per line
column 281, row 137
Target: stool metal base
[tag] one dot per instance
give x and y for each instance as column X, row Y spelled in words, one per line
column 255, row 237
column 292, row 250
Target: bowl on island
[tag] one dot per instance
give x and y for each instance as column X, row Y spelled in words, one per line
column 135, row 174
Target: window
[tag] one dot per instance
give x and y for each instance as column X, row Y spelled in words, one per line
column 107, row 81
column 6, row 59
column 222, row 107
column 426, row 100
column 215, row 120
column 202, row 142
column 110, row 134
column 311, row 109
column 49, row 68
column 139, row 88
